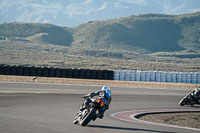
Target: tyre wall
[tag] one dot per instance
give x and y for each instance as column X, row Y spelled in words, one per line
column 122, row 75
column 56, row 72
column 157, row 76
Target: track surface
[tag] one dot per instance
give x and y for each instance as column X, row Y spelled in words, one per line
column 51, row 108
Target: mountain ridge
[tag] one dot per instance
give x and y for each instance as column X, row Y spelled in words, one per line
column 161, row 42
column 152, row 32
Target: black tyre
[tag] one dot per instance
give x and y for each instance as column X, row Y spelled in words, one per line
column 183, row 102
column 88, row 118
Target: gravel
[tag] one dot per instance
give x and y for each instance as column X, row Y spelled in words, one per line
column 179, row 119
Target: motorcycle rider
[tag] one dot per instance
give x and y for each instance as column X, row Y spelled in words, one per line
column 104, row 94
column 196, row 94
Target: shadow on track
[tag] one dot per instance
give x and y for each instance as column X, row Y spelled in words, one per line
column 128, row 129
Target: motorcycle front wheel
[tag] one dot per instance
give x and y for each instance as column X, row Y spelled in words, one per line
column 183, row 101
column 88, row 118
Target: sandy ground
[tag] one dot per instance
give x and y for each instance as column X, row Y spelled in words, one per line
column 181, row 119
column 5, row 78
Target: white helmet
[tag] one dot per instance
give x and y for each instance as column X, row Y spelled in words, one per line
column 107, row 91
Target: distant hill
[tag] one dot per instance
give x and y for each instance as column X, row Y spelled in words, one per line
column 151, row 32
column 43, row 33
column 146, row 42
column 154, row 33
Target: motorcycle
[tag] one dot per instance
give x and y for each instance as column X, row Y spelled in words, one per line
column 188, row 100
column 89, row 113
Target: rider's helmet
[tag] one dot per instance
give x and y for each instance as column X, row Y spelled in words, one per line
column 107, row 92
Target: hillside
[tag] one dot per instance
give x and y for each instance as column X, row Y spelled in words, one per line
column 145, row 42
column 154, row 33
column 41, row 33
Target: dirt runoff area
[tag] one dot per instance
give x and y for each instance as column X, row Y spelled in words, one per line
column 180, row 119
column 5, row 78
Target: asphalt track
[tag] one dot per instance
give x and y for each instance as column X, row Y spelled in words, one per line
column 51, row 108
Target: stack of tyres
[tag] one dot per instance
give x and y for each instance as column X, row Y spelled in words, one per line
column 137, row 75
column 20, row 70
column 188, row 77
column 88, row 74
column 153, row 76
column 57, row 72
column 69, row 73
column 198, row 78
column 194, row 78
column 82, row 73
column 32, row 71
column 178, row 77
column 158, row 76
column 110, row 75
column 45, row 71
column 63, row 73
column 26, row 71
column 1, row 69
column 143, row 76
column 51, row 72
column 116, row 75
column 105, row 74
column 122, row 75
column 7, row 70
column 147, row 76
column 168, row 77
column 93, row 74
column 13, row 70
column 75, row 73
column 99, row 74
column 127, row 75
column 174, row 77
column 39, row 71
column 163, row 76
column 184, row 77
column 132, row 75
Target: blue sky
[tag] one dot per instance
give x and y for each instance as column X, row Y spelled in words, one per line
column 75, row 12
